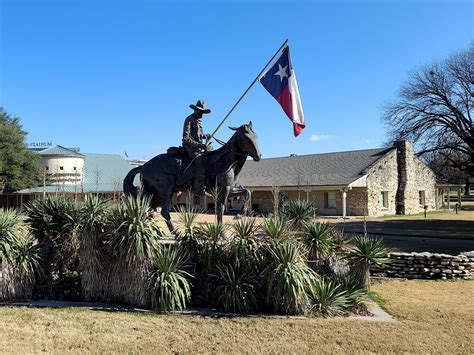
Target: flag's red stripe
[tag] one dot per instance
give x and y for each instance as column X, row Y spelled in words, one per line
column 285, row 102
column 297, row 128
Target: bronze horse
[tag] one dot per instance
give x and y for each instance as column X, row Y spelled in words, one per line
column 222, row 166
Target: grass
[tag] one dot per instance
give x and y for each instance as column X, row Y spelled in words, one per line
column 462, row 215
column 435, row 316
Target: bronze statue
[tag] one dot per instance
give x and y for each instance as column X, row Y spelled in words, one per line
column 194, row 147
column 161, row 176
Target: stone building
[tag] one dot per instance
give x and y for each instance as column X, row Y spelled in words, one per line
column 370, row 182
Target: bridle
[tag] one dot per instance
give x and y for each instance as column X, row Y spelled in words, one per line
column 230, row 147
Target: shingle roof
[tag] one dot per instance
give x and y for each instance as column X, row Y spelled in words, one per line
column 327, row 169
column 59, row 150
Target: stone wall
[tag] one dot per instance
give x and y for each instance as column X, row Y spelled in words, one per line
column 382, row 176
column 356, row 201
column 425, row 180
column 428, row 266
column 413, row 177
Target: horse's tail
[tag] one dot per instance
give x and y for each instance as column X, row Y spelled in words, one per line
column 128, row 187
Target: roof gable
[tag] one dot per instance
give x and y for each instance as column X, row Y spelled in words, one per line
column 59, row 150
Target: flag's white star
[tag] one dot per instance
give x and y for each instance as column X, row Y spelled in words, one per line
column 282, row 72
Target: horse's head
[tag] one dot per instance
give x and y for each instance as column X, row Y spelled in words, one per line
column 245, row 140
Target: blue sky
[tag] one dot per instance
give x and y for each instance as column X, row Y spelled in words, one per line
column 115, row 76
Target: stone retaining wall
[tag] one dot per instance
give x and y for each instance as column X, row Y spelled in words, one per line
column 428, row 266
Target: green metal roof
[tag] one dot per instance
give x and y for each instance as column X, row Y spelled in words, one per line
column 103, row 173
column 59, row 150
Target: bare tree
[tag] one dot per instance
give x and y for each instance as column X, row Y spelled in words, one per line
column 215, row 193
column 276, row 191
column 434, row 109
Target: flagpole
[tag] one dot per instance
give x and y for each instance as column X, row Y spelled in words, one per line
column 246, row 91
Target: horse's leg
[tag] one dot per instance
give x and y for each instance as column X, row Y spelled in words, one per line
column 222, row 201
column 162, row 198
column 165, row 212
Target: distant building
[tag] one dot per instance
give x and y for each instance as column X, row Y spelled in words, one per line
column 370, row 182
column 68, row 171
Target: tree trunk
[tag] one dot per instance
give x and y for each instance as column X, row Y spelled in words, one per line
column 467, row 187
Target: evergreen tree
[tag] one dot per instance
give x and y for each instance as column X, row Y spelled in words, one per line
column 20, row 166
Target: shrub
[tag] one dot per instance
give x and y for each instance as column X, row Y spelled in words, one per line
column 328, row 298
column 11, row 225
column 244, row 228
column 350, row 284
column 288, row 277
column 136, row 235
column 318, row 237
column 247, row 248
column 366, row 252
column 169, row 288
column 54, row 221
column 212, row 236
column 299, row 212
column 92, row 234
column 20, row 256
column 277, row 229
column 189, row 239
column 236, row 289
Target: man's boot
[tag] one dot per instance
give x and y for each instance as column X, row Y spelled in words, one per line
column 199, row 187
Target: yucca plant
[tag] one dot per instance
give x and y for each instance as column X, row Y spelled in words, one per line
column 136, row 236
column 212, row 235
column 247, row 247
column 318, row 237
column 188, row 239
column 11, row 224
column 278, row 229
column 288, row 277
column 169, row 286
column 236, row 289
column 244, row 228
column 54, row 221
column 25, row 255
column 328, row 298
column 366, row 252
column 92, row 234
column 20, row 256
column 53, row 218
column 350, row 284
column 211, row 250
column 298, row 212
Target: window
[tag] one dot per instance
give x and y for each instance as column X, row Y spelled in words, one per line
column 330, row 199
column 61, row 168
column 197, row 200
column 384, row 199
column 75, row 168
column 47, row 168
column 421, row 195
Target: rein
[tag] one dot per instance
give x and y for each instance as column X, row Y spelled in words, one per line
column 221, row 142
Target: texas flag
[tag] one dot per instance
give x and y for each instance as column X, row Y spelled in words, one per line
column 280, row 82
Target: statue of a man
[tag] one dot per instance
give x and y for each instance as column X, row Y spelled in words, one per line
column 194, row 147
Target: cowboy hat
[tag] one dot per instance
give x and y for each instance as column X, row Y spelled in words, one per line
column 201, row 106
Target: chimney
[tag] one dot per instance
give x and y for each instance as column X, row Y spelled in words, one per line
column 404, row 153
